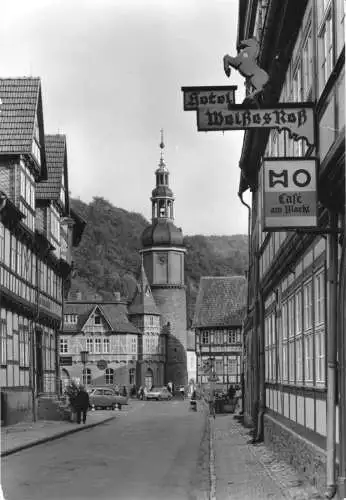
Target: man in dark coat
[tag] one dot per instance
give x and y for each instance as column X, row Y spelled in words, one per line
column 81, row 404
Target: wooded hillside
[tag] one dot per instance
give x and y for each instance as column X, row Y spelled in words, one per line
column 108, row 260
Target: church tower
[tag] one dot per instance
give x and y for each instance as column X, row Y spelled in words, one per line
column 163, row 254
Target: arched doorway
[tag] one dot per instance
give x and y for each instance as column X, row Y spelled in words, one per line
column 65, row 378
column 148, row 379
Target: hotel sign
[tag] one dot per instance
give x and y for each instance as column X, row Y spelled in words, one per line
column 216, row 111
column 297, row 119
column 200, row 97
column 289, row 193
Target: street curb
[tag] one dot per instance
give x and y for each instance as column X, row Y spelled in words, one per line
column 55, row 436
column 212, row 475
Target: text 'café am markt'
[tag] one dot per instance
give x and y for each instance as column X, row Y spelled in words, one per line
column 292, row 56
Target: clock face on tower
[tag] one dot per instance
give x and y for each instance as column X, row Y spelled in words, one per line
column 162, row 258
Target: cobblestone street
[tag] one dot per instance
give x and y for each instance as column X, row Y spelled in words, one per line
column 243, row 471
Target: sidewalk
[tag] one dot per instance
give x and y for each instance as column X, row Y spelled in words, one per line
column 27, row 434
column 243, row 471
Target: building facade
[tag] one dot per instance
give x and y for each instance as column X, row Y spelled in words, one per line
column 163, row 254
column 144, row 314
column 191, row 359
column 33, row 270
column 290, row 331
column 217, row 321
column 103, row 330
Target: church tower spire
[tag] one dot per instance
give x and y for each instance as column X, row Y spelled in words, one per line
column 162, row 198
column 163, row 254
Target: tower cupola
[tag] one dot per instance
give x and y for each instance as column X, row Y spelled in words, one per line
column 162, row 230
column 162, row 198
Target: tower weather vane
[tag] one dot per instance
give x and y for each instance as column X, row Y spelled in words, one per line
column 246, row 63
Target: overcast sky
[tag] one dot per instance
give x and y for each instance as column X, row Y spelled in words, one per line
column 112, row 72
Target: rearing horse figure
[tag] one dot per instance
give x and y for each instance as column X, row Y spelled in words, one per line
column 246, row 64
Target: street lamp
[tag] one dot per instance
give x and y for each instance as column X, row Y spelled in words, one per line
column 84, row 358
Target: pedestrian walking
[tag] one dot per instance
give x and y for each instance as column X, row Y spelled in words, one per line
column 81, row 404
column 182, row 391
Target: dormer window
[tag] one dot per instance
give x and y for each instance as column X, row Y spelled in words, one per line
column 97, row 319
column 36, row 149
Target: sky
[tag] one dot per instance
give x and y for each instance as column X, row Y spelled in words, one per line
column 111, row 73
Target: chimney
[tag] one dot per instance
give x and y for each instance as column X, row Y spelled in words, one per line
column 117, row 296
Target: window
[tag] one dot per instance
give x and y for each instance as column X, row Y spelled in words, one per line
column 325, row 45
column 109, row 376
column 86, row 376
column 299, row 360
column 319, row 298
column 298, row 312
column 340, row 27
column 13, row 253
column 97, row 319
column 97, row 343
column 132, row 376
column 134, row 345
column 308, row 306
column 232, row 337
column 284, row 341
column 3, row 335
column 89, row 344
column 55, row 225
column 308, row 357
column 320, row 357
column 147, row 345
column 63, row 345
column 205, row 337
column 106, row 346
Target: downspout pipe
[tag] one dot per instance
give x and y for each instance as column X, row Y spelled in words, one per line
column 240, row 195
column 332, row 353
column 261, row 395
column 342, row 373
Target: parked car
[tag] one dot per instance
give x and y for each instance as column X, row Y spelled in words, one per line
column 105, row 397
column 158, row 393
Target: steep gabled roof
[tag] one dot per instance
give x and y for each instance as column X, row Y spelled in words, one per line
column 114, row 313
column 57, row 168
column 117, row 314
column 143, row 301
column 220, row 301
column 20, row 103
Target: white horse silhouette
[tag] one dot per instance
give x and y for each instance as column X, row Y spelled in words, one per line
column 246, row 64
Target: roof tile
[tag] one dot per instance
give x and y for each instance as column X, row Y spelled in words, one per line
column 55, row 158
column 220, row 301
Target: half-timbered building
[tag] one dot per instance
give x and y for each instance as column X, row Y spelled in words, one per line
column 290, row 330
column 33, row 270
column 217, row 322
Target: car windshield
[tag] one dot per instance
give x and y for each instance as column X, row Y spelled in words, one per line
column 157, row 389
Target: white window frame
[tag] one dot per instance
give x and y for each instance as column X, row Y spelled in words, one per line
column 106, row 346
column 325, row 46
column 97, row 345
column 64, row 345
column 109, row 376
column 90, row 344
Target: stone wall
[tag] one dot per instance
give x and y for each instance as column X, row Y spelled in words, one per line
column 17, row 406
column 308, row 459
column 172, row 305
